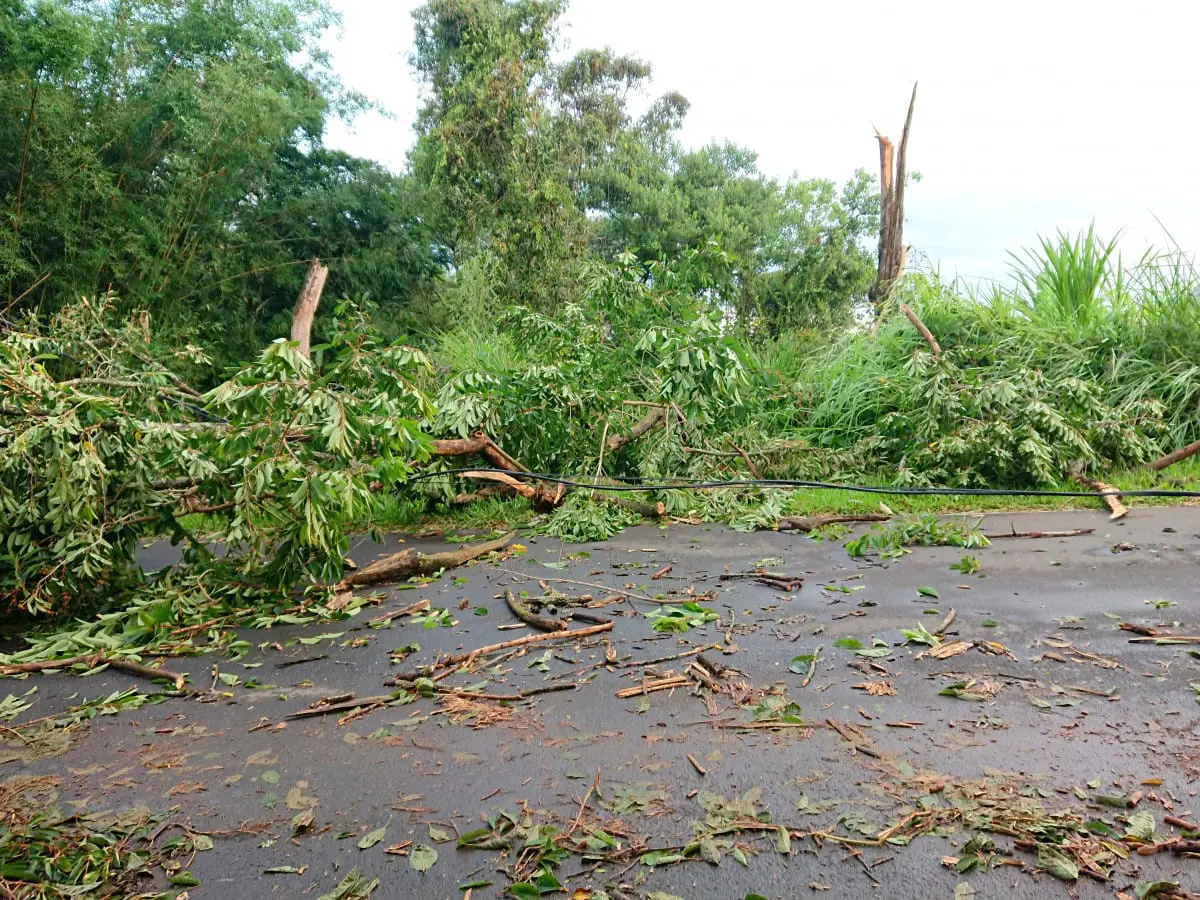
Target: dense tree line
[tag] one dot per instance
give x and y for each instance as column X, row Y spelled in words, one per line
column 172, row 151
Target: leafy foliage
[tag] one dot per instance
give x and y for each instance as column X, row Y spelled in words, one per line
column 579, row 520
column 925, row 530
column 282, row 458
column 46, row 854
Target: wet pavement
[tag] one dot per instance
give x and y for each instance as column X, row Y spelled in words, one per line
column 1076, row 711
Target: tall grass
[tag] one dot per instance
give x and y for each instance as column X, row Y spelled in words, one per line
column 1080, row 356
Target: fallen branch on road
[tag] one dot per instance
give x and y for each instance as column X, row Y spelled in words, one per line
column 419, row 606
column 410, row 562
column 467, row 658
column 92, row 661
column 811, row 523
column 529, row 617
column 1070, row 532
column 649, row 687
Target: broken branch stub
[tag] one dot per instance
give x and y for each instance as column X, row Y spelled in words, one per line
column 1106, row 493
column 656, row 416
column 926, row 335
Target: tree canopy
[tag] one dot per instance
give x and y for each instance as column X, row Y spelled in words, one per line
column 171, row 152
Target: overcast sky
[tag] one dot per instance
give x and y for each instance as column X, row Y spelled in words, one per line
column 1030, row 117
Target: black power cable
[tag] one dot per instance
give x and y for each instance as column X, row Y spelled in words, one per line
column 641, row 486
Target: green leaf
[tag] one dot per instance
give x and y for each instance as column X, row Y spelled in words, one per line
column 422, row 857
column 201, row 842
column 371, row 838
column 660, row 858
column 926, row 591
column 783, row 841
column 709, row 851
column 1152, row 890
column 546, row 883
column 1140, row 827
column 920, row 635
column 183, row 879
column 470, row 837
column 352, row 887
column 1056, row 863
column 804, row 663
column 878, row 649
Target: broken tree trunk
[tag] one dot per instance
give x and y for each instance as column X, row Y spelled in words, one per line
column 1175, row 456
column 410, row 562
column 306, row 304
column 655, row 417
column 892, row 251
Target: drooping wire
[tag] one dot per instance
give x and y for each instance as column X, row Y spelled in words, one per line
column 638, row 485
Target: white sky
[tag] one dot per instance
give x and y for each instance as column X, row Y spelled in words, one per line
column 1030, row 116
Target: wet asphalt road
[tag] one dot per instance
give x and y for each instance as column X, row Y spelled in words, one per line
column 411, row 766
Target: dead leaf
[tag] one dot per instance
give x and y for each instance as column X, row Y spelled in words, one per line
column 875, row 688
column 296, row 799
column 303, row 821
column 947, row 650
column 186, row 787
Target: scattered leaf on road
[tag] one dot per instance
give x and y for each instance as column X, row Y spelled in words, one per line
column 371, row 838
column 422, row 857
